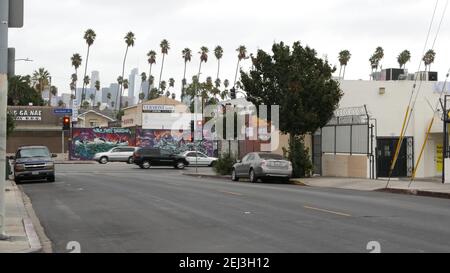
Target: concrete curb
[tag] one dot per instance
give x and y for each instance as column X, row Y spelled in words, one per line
column 224, row 177
column 75, row 162
column 442, row 195
column 33, row 238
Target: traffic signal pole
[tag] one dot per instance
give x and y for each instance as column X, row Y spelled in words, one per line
column 4, row 14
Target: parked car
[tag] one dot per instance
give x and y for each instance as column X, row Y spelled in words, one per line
column 33, row 163
column 262, row 166
column 145, row 158
column 118, row 154
column 199, row 159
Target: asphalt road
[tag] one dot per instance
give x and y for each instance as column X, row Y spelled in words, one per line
column 121, row 208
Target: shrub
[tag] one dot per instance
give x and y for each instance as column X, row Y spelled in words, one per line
column 299, row 156
column 224, row 165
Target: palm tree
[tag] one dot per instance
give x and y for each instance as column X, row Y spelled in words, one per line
column 165, row 46
column 163, row 87
column 151, row 61
column 92, row 97
column 203, row 58
column 187, row 56
column 119, row 82
column 403, row 58
column 76, row 63
column 97, row 87
column 109, row 96
column 141, row 97
column 429, row 58
column 218, row 83
column 225, row 92
column 172, row 82
column 40, row 79
column 53, row 92
column 174, row 96
column 60, row 103
column 129, row 41
column 344, row 58
column 89, row 37
column 218, row 52
column 242, row 54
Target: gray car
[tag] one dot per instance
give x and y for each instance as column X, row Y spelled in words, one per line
column 118, row 154
column 262, row 166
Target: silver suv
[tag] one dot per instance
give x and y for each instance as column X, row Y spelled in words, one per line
column 117, row 154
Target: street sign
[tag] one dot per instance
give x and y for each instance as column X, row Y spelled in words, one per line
column 75, row 110
column 63, row 111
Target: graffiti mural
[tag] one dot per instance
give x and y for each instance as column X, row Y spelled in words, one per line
column 86, row 142
column 172, row 141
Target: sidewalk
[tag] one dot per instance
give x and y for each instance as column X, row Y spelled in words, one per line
column 19, row 227
column 422, row 188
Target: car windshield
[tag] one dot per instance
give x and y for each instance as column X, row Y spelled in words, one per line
column 271, row 157
column 35, row 152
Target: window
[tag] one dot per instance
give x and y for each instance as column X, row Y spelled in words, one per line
column 34, row 152
column 191, row 155
column 201, row 155
column 271, row 157
column 251, row 157
column 94, row 123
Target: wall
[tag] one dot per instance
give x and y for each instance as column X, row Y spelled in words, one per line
column 344, row 166
column 90, row 116
column 389, row 110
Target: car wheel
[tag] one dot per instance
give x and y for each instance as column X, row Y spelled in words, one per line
column 103, row 160
column 253, row 177
column 130, row 160
column 51, row 179
column 146, row 165
column 212, row 164
column 180, row 165
column 234, row 176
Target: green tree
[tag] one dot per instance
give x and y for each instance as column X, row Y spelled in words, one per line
column 10, row 124
column 89, row 37
column 129, row 41
column 40, row 79
column 242, row 54
column 141, row 97
column 203, row 58
column 92, row 97
column 76, row 63
column 109, row 96
column 165, row 47
column 151, row 61
column 187, row 57
column 218, row 52
column 428, row 59
column 97, row 88
column 301, row 84
column 403, row 58
column 344, row 58
column 20, row 92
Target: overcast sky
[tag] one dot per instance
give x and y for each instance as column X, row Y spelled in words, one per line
column 54, row 30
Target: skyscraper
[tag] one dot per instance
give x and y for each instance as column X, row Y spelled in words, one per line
column 134, row 85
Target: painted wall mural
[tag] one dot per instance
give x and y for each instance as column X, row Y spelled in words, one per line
column 172, row 141
column 86, row 142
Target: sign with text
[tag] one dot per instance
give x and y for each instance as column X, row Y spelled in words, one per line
column 27, row 115
column 63, row 111
column 158, row 108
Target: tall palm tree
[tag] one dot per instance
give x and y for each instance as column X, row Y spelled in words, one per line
column 53, row 92
column 141, row 97
column 174, row 96
column 225, row 92
column 187, row 57
column 129, row 41
column 92, row 97
column 218, row 52
column 109, row 96
column 203, row 58
column 89, row 37
column 151, row 61
column 40, row 79
column 119, row 82
column 76, row 63
column 165, row 46
column 242, row 54
column 429, row 58
column 403, row 58
column 163, row 87
column 344, row 58
column 97, row 87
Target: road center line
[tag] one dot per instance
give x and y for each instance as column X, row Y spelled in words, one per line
column 231, row 193
column 328, row 211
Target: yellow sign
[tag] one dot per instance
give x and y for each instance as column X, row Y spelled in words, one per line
column 439, row 157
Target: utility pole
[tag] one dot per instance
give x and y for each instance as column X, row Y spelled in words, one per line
column 11, row 15
column 4, row 20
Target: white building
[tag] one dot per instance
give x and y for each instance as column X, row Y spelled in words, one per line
column 386, row 103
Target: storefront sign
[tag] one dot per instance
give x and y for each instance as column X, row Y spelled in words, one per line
column 158, row 108
column 27, row 115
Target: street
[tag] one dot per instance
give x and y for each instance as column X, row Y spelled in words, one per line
column 121, row 208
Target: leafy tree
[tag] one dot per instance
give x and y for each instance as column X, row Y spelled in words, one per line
column 89, row 37
column 151, row 61
column 76, row 63
column 40, row 79
column 224, row 165
column 20, row 92
column 429, row 58
column 344, row 58
column 301, row 84
column 165, row 47
column 403, row 58
column 129, row 41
